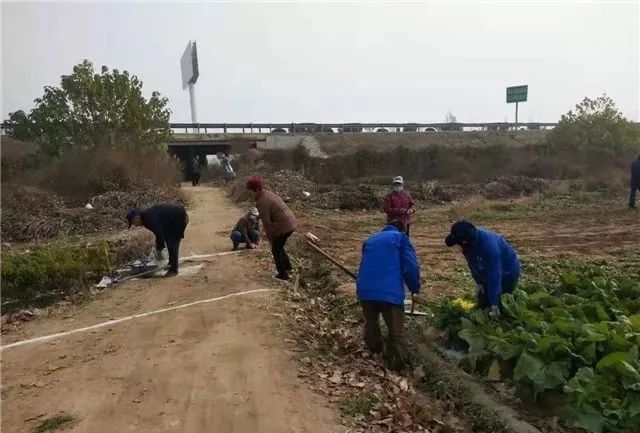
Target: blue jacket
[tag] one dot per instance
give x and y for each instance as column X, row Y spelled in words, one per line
column 388, row 262
column 492, row 260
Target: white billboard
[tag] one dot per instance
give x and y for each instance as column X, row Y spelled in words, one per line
column 189, row 65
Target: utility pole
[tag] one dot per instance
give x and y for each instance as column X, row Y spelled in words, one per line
column 192, row 101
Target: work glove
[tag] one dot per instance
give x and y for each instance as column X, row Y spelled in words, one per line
column 253, row 246
column 494, row 312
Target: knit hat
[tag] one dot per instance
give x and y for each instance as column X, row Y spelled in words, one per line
column 461, row 232
column 255, row 184
column 131, row 215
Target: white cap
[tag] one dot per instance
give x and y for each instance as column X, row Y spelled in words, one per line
column 398, row 179
column 254, row 211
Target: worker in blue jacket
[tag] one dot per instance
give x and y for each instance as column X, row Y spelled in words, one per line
column 388, row 263
column 493, row 262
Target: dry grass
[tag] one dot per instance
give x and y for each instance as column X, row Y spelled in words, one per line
column 42, row 203
column 56, row 422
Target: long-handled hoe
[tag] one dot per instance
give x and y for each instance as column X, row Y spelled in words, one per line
column 312, row 240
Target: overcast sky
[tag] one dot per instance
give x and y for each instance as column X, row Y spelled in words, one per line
column 329, row 62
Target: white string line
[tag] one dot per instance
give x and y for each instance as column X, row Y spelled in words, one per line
column 124, row 319
column 205, row 256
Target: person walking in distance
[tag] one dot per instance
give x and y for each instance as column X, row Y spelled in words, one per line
column 398, row 204
column 278, row 222
column 229, row 174
column 388, row 263
column 195, row 171
column 634, row 182
column 168, row 223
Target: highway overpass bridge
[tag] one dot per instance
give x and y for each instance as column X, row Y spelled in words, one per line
column 191, row 139
column 330, row 128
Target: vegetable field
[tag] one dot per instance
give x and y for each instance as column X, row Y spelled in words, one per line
column 579, row 337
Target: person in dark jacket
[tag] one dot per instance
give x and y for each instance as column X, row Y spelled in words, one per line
column 398, row 204
column 247, row 230
column 388, row 263
column 168, row 223
column 195, row 171
column 493, row 262
column 634, row 183
column 278, row 221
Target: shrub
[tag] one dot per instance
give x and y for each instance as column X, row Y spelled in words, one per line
column 49, row 201
column 51, row 271
column 80, row 175
column 595, row 126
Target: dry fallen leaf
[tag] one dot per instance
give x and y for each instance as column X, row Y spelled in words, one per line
column 336, row 379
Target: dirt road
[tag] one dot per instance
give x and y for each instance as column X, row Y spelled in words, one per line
column 215, row 367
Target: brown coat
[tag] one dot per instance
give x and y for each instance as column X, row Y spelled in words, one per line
column 276, row 216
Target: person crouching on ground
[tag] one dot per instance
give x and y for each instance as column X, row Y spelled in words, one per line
column 247, row 230
column 388, row 262
column 278, row 221
column 398, row 204
column 168, row 223
column 493, row 263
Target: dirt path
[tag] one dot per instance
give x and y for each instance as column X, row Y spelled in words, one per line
column 213, row 367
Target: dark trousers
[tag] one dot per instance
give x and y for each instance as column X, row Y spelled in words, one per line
column 508, row 286
column 237, row 238
column 396, row 353
column 280, row 256
column 632, row 194
column 195, row 179
column 173, row 247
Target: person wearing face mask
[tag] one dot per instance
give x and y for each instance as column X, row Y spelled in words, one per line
column 247, row 230
column 493, row 262
column 398, row 204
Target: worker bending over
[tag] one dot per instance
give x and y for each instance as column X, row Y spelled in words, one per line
column 388, row 262
column 493, row 262
column 398, row 204
column 247, row 230
column 278, row 221
column 168, row 223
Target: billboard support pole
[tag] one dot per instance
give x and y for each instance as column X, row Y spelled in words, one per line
column 516, row 115
column 192, row 101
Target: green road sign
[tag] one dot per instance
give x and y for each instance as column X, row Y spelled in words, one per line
column 517, row 93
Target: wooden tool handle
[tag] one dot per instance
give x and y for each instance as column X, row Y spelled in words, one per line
column 332, row 260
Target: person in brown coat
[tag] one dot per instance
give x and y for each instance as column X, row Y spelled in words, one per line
column 278, row 221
